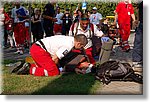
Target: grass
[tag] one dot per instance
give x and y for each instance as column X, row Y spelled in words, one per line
column 66, row 84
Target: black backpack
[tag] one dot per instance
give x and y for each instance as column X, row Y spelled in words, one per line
column 116, row 71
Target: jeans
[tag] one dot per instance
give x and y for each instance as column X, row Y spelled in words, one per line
column 137, row 54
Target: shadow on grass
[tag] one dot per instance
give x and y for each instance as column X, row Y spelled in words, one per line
column 69, row 84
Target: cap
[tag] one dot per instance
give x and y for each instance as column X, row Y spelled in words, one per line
column 94, row 8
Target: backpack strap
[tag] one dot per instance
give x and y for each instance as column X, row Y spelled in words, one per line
column 74, row 25
column 91, row 29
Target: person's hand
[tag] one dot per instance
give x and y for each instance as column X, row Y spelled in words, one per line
column 84, row 65
column 80, row 71
column 135, row 23
column 104, row 39
column 54, row 20
column 55, row 59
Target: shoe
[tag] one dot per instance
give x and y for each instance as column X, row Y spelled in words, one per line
column 16, row 66
column 137, row 65
column 21, row 52
column 17, row 52
column 24, row 70
column 125, row 49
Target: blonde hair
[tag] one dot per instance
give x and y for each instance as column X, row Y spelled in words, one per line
column 36, row 10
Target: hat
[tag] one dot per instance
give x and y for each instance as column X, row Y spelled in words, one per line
column 94, row 8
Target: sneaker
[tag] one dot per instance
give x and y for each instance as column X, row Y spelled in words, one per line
column 17, row 52
column 21, row 52
column 137, row 65
column 16, row 66
column 125, row 49
column 24, row 70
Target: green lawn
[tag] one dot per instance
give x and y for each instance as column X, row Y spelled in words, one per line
column 66, row 84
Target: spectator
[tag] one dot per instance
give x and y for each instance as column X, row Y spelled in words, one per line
column 89, row 13
column 19, row 14
column 48, row 51
column 9, row 29
column 2, row 18
column 75, row 16
column 124, row 11
column 67, row 21
column 84, row 27
column 58, row 23
column 95, row 17
column 138, row 42
column 48, row 20
column 37, row 29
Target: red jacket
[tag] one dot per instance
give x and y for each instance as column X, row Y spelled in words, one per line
column 124, row 12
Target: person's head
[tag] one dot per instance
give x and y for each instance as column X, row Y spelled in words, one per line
column 127, row 1
column 67, row 12
column 79, row 12
column 94, row 10
column 37, row 11
column 75, row 13
column 80, row 41
column 17, row 4
column 84, row 21
column 88, row 13
column 58, row 9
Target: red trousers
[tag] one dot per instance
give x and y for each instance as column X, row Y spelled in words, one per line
column 57, row 28
column 44, row 66
column 19, row 33
column 89, row 54
column 124, row 30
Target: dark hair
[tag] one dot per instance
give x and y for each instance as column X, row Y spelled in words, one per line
column 84, row 17
column 81, row 38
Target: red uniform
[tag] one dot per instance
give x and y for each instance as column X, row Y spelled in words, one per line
column 88, row 48
column 124, row 12
column 43, row 51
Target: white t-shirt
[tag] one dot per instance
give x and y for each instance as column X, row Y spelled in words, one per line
column 58, row 44
column 95, row 18
column 59, row 16
column 86, row 33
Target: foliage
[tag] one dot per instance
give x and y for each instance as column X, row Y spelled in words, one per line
column 105, row 8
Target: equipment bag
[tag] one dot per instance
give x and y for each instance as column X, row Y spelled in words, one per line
column 115, row 70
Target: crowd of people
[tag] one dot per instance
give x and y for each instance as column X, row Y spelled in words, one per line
column 51, row 22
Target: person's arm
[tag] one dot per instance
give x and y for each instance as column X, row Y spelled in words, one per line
column 55, row 59
column 116, row 17
column 97, row 32
column 133, row 17
column 50, row 18
column 34, row 20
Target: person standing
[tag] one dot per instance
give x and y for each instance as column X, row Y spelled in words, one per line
column 67, row 21
column 37, row 29
column 9, row 29
column 124, row 11
column 2, row 18
column 95, row 17
column 137, row 54
column 58, row 24
column 48, row 19
column 19, row 14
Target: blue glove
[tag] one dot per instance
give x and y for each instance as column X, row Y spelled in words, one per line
column 105, row 39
